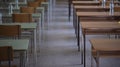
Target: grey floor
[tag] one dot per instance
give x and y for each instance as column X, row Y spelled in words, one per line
column 58, row 47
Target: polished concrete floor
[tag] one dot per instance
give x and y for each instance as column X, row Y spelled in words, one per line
column 58, row 46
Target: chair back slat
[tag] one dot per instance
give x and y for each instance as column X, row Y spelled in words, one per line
column 6, row 53
column 10, row 30
column 33, row 4
column 27, row 9
column 117, row 8
column 22, row 17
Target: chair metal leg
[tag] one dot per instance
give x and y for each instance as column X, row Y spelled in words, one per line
column 91, row 60
column 69, row 9
column 97, row 60
column 84, row 41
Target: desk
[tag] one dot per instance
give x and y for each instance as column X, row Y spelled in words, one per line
column 93, row 15
column 25, row 4
column 80, row 3
column 90, row 8
column 35, row 15
column 105, row 45
column 97, row 14
column 86, row 2
column 20, row 45
column 97, row 28
column 23, row 25
column 28, row 26
column 84, row 10
column 77, row 9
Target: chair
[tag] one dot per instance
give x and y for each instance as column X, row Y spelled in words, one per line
column 6, row 54
column 33, row 4
column 27, row 10
column 22, row 17
column 10, row 31
column 117, row 9
column 39, row 9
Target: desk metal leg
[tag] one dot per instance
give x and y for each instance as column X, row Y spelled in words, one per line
column 92, row 58
column 79, row 39
column 51, row 7
column 78, row 33
column 69, row 9
column 75, row 21
column 48, row 13
column 43, row 18
column 97, row 59
column 54, row 3
column 35, row 49
column 84, row 41
column 22, row 58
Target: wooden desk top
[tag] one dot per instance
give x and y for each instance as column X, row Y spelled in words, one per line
column 19, row 45
column 106, row 44
column 34, row 15
column 100, row 25
column 23, row 25
column 85, row 2
column 96, row 14
column 90, row 8
column 91, row 2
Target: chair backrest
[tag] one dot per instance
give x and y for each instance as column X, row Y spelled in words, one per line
column 40, row 1
column 114, row 1
column 6, row 53
column 33, row 4
column 117, row 8
column 27, row 9
column 22, row 17
column 10, row 30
